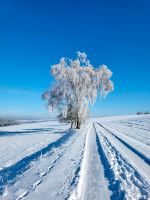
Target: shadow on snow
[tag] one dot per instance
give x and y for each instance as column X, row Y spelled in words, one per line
column 29, row 131
column 8, row 175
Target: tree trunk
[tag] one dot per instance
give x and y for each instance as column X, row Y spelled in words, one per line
column 71, row 124
column 78, row 123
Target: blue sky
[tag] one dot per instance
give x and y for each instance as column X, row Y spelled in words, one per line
column 35, row 34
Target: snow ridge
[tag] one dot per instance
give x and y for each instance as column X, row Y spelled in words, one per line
column 77, row 194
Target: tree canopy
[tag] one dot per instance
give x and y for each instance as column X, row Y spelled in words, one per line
column 77, row 84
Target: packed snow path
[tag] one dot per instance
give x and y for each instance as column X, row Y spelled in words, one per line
column 92, row 183
column 99, row 161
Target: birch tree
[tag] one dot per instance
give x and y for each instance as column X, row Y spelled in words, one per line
column 77, row 85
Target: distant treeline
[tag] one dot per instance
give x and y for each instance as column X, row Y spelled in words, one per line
column 7, row 122
column 143, row 113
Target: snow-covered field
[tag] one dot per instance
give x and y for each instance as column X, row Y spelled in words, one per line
column 108, row 158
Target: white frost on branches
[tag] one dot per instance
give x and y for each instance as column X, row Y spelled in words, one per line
column 77, row 85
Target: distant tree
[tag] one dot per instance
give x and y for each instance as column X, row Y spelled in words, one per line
column 7, row 122
column 146, row 112
column 77, row 85
column 139, row 113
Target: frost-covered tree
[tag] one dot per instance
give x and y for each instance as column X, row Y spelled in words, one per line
column 77, row 84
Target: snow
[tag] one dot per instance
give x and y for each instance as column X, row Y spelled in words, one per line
column 108, row 158
column 128, row 167
column 24, row 139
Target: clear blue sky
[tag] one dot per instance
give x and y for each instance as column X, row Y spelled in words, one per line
column 35, row 34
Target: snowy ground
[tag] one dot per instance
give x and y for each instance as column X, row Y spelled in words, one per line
column 108, row 158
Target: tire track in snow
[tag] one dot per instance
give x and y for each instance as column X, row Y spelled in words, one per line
column 132, row 183
column 142, row 156
column 9, row 174
column 138, row 126
column 74, row 179
column 114, row 185
column 77, row 175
